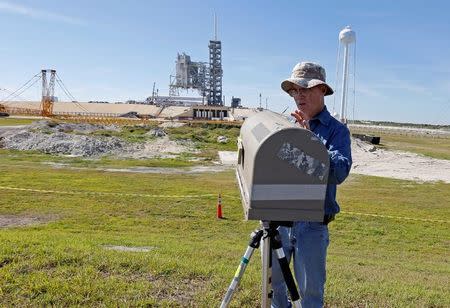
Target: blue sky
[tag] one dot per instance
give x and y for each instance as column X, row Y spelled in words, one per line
column 115, row 50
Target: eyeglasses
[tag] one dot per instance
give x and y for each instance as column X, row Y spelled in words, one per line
column 298, row 91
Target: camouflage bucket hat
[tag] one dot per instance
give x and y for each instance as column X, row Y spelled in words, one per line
column 306, row 75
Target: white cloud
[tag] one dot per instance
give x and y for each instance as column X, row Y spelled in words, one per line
column 37, row 13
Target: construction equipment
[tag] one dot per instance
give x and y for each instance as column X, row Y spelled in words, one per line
column 48, row 93
column 3, row 112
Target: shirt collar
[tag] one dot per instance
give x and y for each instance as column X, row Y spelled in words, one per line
column 323, row 116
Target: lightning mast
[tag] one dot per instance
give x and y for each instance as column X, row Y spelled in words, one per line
column 215, row 69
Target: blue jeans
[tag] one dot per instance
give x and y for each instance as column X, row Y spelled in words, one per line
column 306, row 243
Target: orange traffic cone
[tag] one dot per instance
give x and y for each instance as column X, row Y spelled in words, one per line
column 219, row 208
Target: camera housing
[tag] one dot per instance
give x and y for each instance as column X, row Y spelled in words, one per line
column 282, row 170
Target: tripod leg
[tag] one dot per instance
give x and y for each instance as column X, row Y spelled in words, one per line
column 266, row 258
column 253, row 244
column 284, row 265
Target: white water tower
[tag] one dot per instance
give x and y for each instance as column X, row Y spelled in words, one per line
column 347, row 37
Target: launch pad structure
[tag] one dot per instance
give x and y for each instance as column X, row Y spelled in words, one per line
column 205, row 77
column 215, row 73
column 189, row 75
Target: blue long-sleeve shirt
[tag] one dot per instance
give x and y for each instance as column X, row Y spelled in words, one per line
column 336, row 137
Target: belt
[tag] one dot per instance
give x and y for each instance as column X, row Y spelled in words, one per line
column 327, row 219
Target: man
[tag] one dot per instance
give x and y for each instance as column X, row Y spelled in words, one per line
column 307, row 242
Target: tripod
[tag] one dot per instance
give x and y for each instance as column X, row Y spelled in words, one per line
column 270, row 241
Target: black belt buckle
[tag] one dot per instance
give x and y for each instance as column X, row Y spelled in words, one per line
column 327, row 219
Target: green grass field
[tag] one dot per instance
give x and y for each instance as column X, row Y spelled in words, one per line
column 12, row 121
column 389, row 247
column 372, row 261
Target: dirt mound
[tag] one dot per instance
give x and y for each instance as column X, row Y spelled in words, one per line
column 75, row 140
column 84, row 128
column 61, row 143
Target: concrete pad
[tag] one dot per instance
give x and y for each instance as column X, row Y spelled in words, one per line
column 228, row 157
column 129, row 248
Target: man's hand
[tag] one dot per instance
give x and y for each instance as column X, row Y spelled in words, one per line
column 301, row 118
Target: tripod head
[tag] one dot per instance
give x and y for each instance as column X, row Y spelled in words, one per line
column 276, row 224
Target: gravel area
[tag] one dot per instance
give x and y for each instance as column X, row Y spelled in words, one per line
column 76, row 140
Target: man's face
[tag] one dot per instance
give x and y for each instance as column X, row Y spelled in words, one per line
column 310, row 101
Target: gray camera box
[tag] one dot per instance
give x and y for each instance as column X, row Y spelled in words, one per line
column 282, row 170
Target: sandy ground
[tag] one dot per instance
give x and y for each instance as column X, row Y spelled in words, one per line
column 403, row 130
column 7, row 221
column 369, row 160
column 160, row 170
